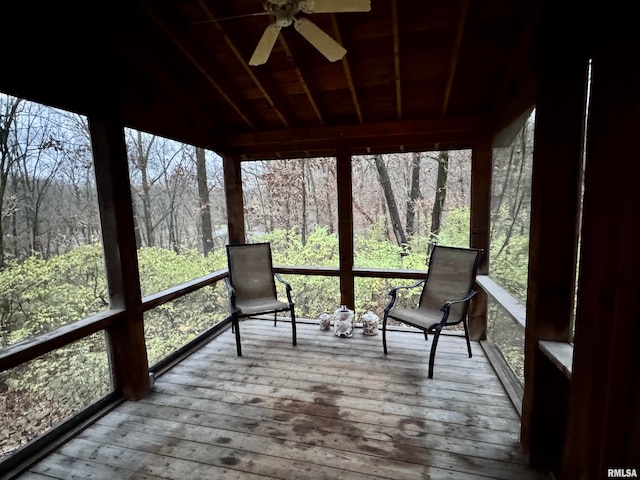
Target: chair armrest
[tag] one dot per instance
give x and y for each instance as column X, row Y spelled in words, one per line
column 286, row 285
column 394, row 292
column 447, row 307
column 232, row 294
column 466, row 298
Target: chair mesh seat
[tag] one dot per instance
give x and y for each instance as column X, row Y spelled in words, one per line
column 414, row 316
column 260, row 305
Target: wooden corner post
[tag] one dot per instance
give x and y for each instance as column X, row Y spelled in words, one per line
column 481, row 167
column 553, row 242
column 127, row 348
column 345, row 228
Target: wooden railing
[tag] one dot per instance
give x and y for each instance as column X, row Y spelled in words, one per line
column 33, row 348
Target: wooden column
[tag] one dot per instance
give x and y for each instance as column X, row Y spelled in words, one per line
column 481, row 172
column 481, row 166
column 604, row 419
column 128, row 354
column 235, row 200
column 345, row 229
column 553, row 241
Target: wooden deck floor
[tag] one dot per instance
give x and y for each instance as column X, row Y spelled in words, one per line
column 330, row 408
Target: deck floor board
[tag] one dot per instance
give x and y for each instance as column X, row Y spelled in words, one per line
column 329, row 408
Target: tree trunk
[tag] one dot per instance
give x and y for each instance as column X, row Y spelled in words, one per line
column 143, row 161
column 414, row 195
column 441, row 195
column 6, row 161
column 304, row 203
column 205, row 206
column 392, row 207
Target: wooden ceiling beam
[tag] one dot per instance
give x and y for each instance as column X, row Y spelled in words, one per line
column 404, row 132
column 396, row 57
column 455, row 54
column 347, row 70
column 226, row 92
column 305, row 86
column 258, row 79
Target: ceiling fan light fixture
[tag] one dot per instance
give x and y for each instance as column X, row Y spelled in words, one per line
column 284, row 12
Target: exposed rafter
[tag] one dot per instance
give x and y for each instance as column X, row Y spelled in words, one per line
column 347, row 71
column 214, row 80
column 303, row 82
column 455, row 54
column 260, row 81
column 396, row 56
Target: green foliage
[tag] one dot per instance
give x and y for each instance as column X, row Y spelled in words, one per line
column 40, row 295
column 161, row 268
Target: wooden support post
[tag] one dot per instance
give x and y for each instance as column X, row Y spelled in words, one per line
column 481, row 171
column 345, row 229
column 604, row 419
column 235, row 201
column 127, row 349
column 553, row 243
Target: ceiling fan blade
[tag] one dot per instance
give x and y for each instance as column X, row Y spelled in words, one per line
column 335, row 6
column 323, row 42
column 265, row 45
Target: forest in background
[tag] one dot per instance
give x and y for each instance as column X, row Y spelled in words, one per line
column 52, row 271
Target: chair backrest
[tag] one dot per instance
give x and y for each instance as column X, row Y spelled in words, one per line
column 452, row 272
column 251, row 271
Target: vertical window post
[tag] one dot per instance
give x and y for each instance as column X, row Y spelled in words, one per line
column 127, row 348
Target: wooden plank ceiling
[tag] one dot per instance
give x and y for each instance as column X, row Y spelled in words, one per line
column 418, row 74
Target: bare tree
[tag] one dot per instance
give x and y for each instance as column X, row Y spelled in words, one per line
column 414, row 194
column 8, row 155
column 385, row 183
column 441, row 195
column 205, row 206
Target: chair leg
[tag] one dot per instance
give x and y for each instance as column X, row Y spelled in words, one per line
column 293, row 325
column 236, row 325
column 275, row 318
column 432, row 355
column 426, row 336
column 466, row 335
column 384, row 333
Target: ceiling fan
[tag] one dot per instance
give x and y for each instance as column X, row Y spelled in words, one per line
column 284, row 12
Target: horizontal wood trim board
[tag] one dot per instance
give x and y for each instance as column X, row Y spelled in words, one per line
column 357, row 272
column 512, row 306
column 32, row 348
column 155, row 300
column 511, row 384
column 25, row 351
column 403, row 131
column 560, row 354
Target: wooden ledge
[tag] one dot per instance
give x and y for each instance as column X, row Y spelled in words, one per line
column 513, row 307
column 560, row 354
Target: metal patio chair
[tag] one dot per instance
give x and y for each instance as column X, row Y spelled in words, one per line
column 252, row 288
column 446, row 293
